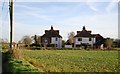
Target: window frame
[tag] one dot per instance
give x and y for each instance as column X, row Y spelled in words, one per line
column 46, row 40
column 90, row 39
column 56, row 39
column 79, row 39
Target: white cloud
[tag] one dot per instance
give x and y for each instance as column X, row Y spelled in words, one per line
column 111, row 5
column 41, row 13
column 28, row 8
column 99, row 23
column 102, row 24
column 92, row 6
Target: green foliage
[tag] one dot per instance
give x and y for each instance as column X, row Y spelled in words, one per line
column 16, row 65
column 75, row 60
column 21, row 66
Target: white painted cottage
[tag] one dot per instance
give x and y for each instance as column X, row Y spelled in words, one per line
column 52, row 37
column 84, row 37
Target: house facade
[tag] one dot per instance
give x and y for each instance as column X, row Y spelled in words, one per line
column 52, row 38
column 85, row 37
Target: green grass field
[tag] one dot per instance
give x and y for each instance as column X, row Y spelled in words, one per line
column 73, row 60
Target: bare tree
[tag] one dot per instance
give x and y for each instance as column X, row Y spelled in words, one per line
column 63, row 43
column 26, row 40
column 4, row 40
column 71, row 37
column 39, row 39
column 36, row 39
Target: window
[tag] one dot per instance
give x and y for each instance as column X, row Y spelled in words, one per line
column 79, row 39
column 46, row 40
column 55, row 45
column 89, row 39
column 56, row 39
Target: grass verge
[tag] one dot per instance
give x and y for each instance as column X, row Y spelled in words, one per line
column 14, row 65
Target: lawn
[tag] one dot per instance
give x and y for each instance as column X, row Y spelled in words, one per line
column 73, row 60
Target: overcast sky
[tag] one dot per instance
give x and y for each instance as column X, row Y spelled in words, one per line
column 32, row 18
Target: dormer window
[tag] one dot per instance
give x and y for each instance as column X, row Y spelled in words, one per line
column 79, row 39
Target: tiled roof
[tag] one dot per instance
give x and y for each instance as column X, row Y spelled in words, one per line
column 97, row 35
column 99, row 39
column 51, row 33
column 67, row 43
column 84, row 33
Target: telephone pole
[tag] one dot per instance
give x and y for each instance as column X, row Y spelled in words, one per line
column 11, row 10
